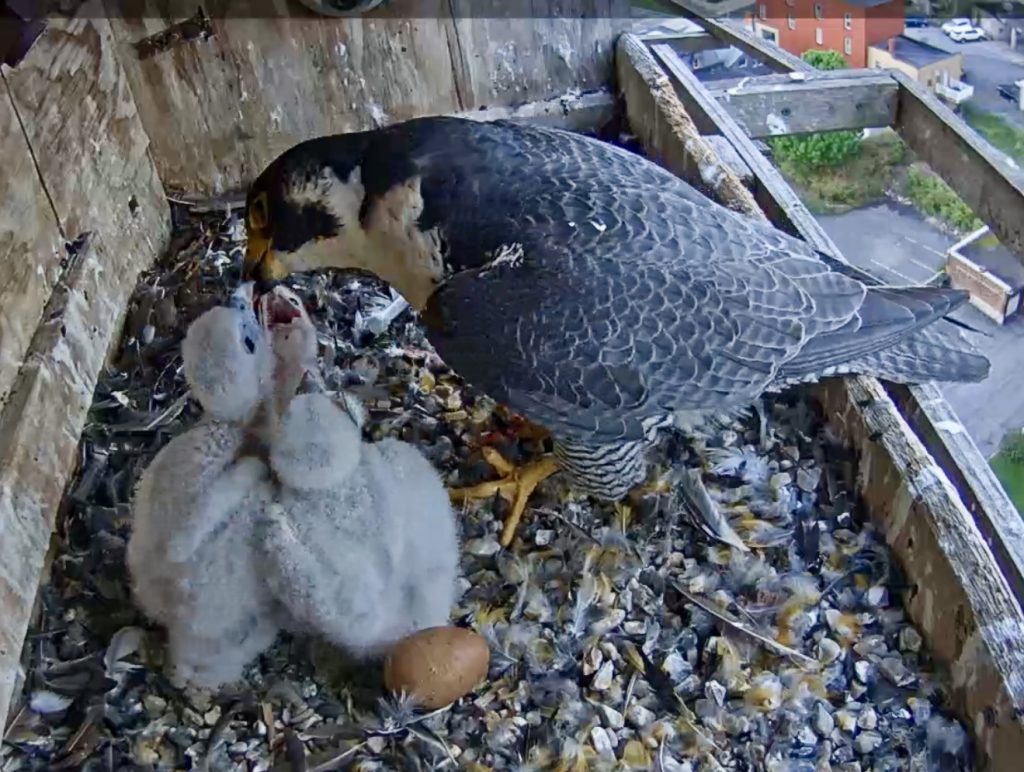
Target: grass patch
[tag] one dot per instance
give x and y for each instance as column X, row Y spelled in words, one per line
column 861, row 179
column 932, row 196
column 997, row 130
column 1008, row 465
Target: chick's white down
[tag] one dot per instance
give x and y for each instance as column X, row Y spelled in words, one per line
column 192, row 556
column 353, row 541
column 361, row 544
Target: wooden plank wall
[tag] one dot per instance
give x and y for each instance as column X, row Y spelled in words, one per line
column 218, row 109
column 92, row 174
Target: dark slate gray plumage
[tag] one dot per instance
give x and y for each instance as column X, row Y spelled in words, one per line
column 597, row 294
column 635, row 295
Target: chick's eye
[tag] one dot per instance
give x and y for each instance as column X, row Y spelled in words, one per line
column 294, row 302
column 250, row 344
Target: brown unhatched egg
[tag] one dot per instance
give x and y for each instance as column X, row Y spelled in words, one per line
column 437, row 665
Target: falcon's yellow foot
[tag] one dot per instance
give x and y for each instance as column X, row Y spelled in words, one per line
column 515, row 485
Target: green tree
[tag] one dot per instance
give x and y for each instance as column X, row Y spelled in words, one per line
column 824, row 59
column 807, row 154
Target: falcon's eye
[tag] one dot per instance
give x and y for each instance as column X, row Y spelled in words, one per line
column 250, row 344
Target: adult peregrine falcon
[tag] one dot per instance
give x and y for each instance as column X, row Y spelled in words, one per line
column 585, row 287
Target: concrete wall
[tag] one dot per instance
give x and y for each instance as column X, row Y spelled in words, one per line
column 989, row 294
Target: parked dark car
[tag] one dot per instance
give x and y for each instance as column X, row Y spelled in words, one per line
column 1010, row 91
column 916, row 21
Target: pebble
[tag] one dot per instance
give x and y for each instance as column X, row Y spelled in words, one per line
column 603, row 680
column 639, row 717
column 543, row 537
column 602, row 741
column 910, row 640
column 715, row 692
column 484, row 547
column 863, row 670
column 676, row 667
column 896, row 672
column 808, row 479
column 846, row 721
column 611, row 717
column 154, row 704
column 877, row 596
column 829, row 651
column 868, row 719
column 823, row 721
column 867, row 742
column 806, row 736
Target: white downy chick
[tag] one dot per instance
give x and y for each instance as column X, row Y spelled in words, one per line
column 192, row 558
column 361, row 544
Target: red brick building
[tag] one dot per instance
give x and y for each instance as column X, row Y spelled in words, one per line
column 847, row 26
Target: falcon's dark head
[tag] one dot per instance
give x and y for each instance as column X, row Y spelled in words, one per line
column 311, row 209
column 302, row 212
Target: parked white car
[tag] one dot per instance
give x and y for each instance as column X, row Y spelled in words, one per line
column 966, row 34
column 952, row 24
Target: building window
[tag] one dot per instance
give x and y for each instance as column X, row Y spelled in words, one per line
column 818, row 37
column 764, row 11
column 848, row 46
column 817, row 11
column 848, row 21
column 791, row 21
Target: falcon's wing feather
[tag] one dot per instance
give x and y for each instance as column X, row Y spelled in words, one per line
column 625, row 304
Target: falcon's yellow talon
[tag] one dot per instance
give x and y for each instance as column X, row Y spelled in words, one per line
column 498, row 461
column 515, row 485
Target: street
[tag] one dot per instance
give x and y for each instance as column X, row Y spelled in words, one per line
column 987, row 64
column 890, row 241
column 897, row 245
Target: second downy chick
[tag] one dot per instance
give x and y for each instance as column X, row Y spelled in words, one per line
column 361, row 543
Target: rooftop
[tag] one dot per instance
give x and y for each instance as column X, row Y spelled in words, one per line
column 913, row 52
column 1009, row 10
column 997, row 259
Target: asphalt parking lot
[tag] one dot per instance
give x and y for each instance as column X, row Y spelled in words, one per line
column 987, row 63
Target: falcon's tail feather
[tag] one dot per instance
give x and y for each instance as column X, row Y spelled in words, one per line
column 922, row 358
column 899, row 334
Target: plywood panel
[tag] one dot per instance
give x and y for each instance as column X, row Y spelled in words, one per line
column 520, row 51
column 30, row 246
column 92, row 155
column 217, row 110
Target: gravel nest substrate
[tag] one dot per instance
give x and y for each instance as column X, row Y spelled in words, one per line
column 621, row 638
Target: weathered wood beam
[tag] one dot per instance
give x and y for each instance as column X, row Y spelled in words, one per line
column 667, row 132
column 687, row 42
column 777, row 105
column 92, row 160
column 981, row 175
column 927, row 410
column 934, row 133
column 771, row 191
column 731, row 32
column 964, row 564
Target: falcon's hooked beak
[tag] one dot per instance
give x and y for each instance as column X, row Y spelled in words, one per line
column 260, row 264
